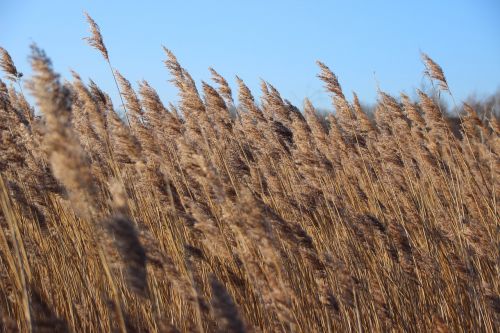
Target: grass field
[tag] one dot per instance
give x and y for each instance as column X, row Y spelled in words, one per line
column 237, row 215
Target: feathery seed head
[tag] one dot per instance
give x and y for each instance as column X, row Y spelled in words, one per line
column 7, row 65
column 330, row 79
column 95, row 40
column 434, row 71
column 223, row 88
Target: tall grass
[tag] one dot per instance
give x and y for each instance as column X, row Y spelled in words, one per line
column 193, row 218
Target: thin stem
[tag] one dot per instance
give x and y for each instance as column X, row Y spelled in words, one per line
column 119, row 91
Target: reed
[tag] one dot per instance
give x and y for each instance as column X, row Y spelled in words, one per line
column 236, row 215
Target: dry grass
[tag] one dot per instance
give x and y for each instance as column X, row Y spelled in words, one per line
column 188, row 218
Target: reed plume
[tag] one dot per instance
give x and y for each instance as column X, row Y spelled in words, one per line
column 225, row 309
column 7, row 65
column 95, row 39
column 67, row 159
column 435, row 72
column 131, row 250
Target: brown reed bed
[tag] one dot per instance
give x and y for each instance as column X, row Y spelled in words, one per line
column 196, row 218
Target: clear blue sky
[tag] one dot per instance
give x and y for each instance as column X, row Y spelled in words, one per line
column 278, row 41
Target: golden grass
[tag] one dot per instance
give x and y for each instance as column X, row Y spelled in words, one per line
column 190, row 218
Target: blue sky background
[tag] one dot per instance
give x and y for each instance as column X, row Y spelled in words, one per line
column 363, row 42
